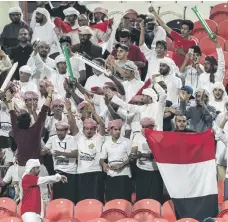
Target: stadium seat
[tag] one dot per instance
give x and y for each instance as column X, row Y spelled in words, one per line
column 11, row 219
column 199, row 32
column 194, row 38
column 8, row 207
column 46, row 220
column 168, row 212
column 175, row 24
column 88, row 209
column 220, row 190
column 120, row 204
column 169, row 54
column 149, row 204
column 169, row 44
column 220, row 220
column 207, row 46
column 69, row 220
column 98, row 220
column 116, row 209
column 127, row 220
column 219, row 12
column 187, row 220
column 19, row 209
column 59, row 209
column 142, row 215
column 222, row 29
column 157, row 220
column 223, row 214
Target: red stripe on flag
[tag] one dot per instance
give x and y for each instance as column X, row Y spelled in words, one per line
column 180, row 147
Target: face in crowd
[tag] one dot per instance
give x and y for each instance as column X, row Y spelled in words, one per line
column 180, row 123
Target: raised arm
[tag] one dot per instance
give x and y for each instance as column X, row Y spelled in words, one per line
column 71, row 119
column 96, row 117
column 159, row 20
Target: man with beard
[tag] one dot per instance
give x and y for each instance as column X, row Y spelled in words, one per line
column 117, row 150
column 201, row 115
column 87, row 48
column 71, row 17
column 190, row 73
column 44, row 31
column 171, row 80
column 22, row 52
column 31, row 201
column 43, row 49
column 9, row 36
column 214, row 69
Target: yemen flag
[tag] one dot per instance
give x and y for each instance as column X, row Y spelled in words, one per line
column 186, row 162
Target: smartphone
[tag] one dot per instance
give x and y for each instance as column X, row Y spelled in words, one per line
column 191, row 51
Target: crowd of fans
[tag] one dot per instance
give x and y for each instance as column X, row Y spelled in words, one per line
column 90, row 129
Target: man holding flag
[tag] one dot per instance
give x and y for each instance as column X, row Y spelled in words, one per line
column 187, row 165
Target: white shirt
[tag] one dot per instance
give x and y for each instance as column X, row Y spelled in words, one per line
column 89, row 151
column 98, row 35
column 5, row 122
column 143, row 163
column 42, row 69
column 62, row 163
column 131, row 88
column 11, row 174
column 33, row 64
column 117, row 153
column 191, row 76
column 96, row 80
column 204, row 79
column 77, row 66
column 154, row 61
column 219, row 105
column 46, row 33
column 153, row 110
column 174, row 84
column 27, row 86
column 73, row 34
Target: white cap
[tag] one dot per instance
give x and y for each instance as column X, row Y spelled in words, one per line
column 71, row 11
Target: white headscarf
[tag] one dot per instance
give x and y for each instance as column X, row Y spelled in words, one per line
column 26, row 69
column 71, row 11
column 30, row 164
column 219, row 85
column 151, row 93
column 167, row 61
column 15, row 10
column 44, row 12
column 60, row 58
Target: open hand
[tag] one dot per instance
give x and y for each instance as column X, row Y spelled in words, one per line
column 64, row 179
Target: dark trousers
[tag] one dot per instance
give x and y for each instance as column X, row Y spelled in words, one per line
column 149, row 185
column 118, row 187
column 66, row 190
column 91, row 186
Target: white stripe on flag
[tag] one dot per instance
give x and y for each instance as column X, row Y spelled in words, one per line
column 189, row 180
